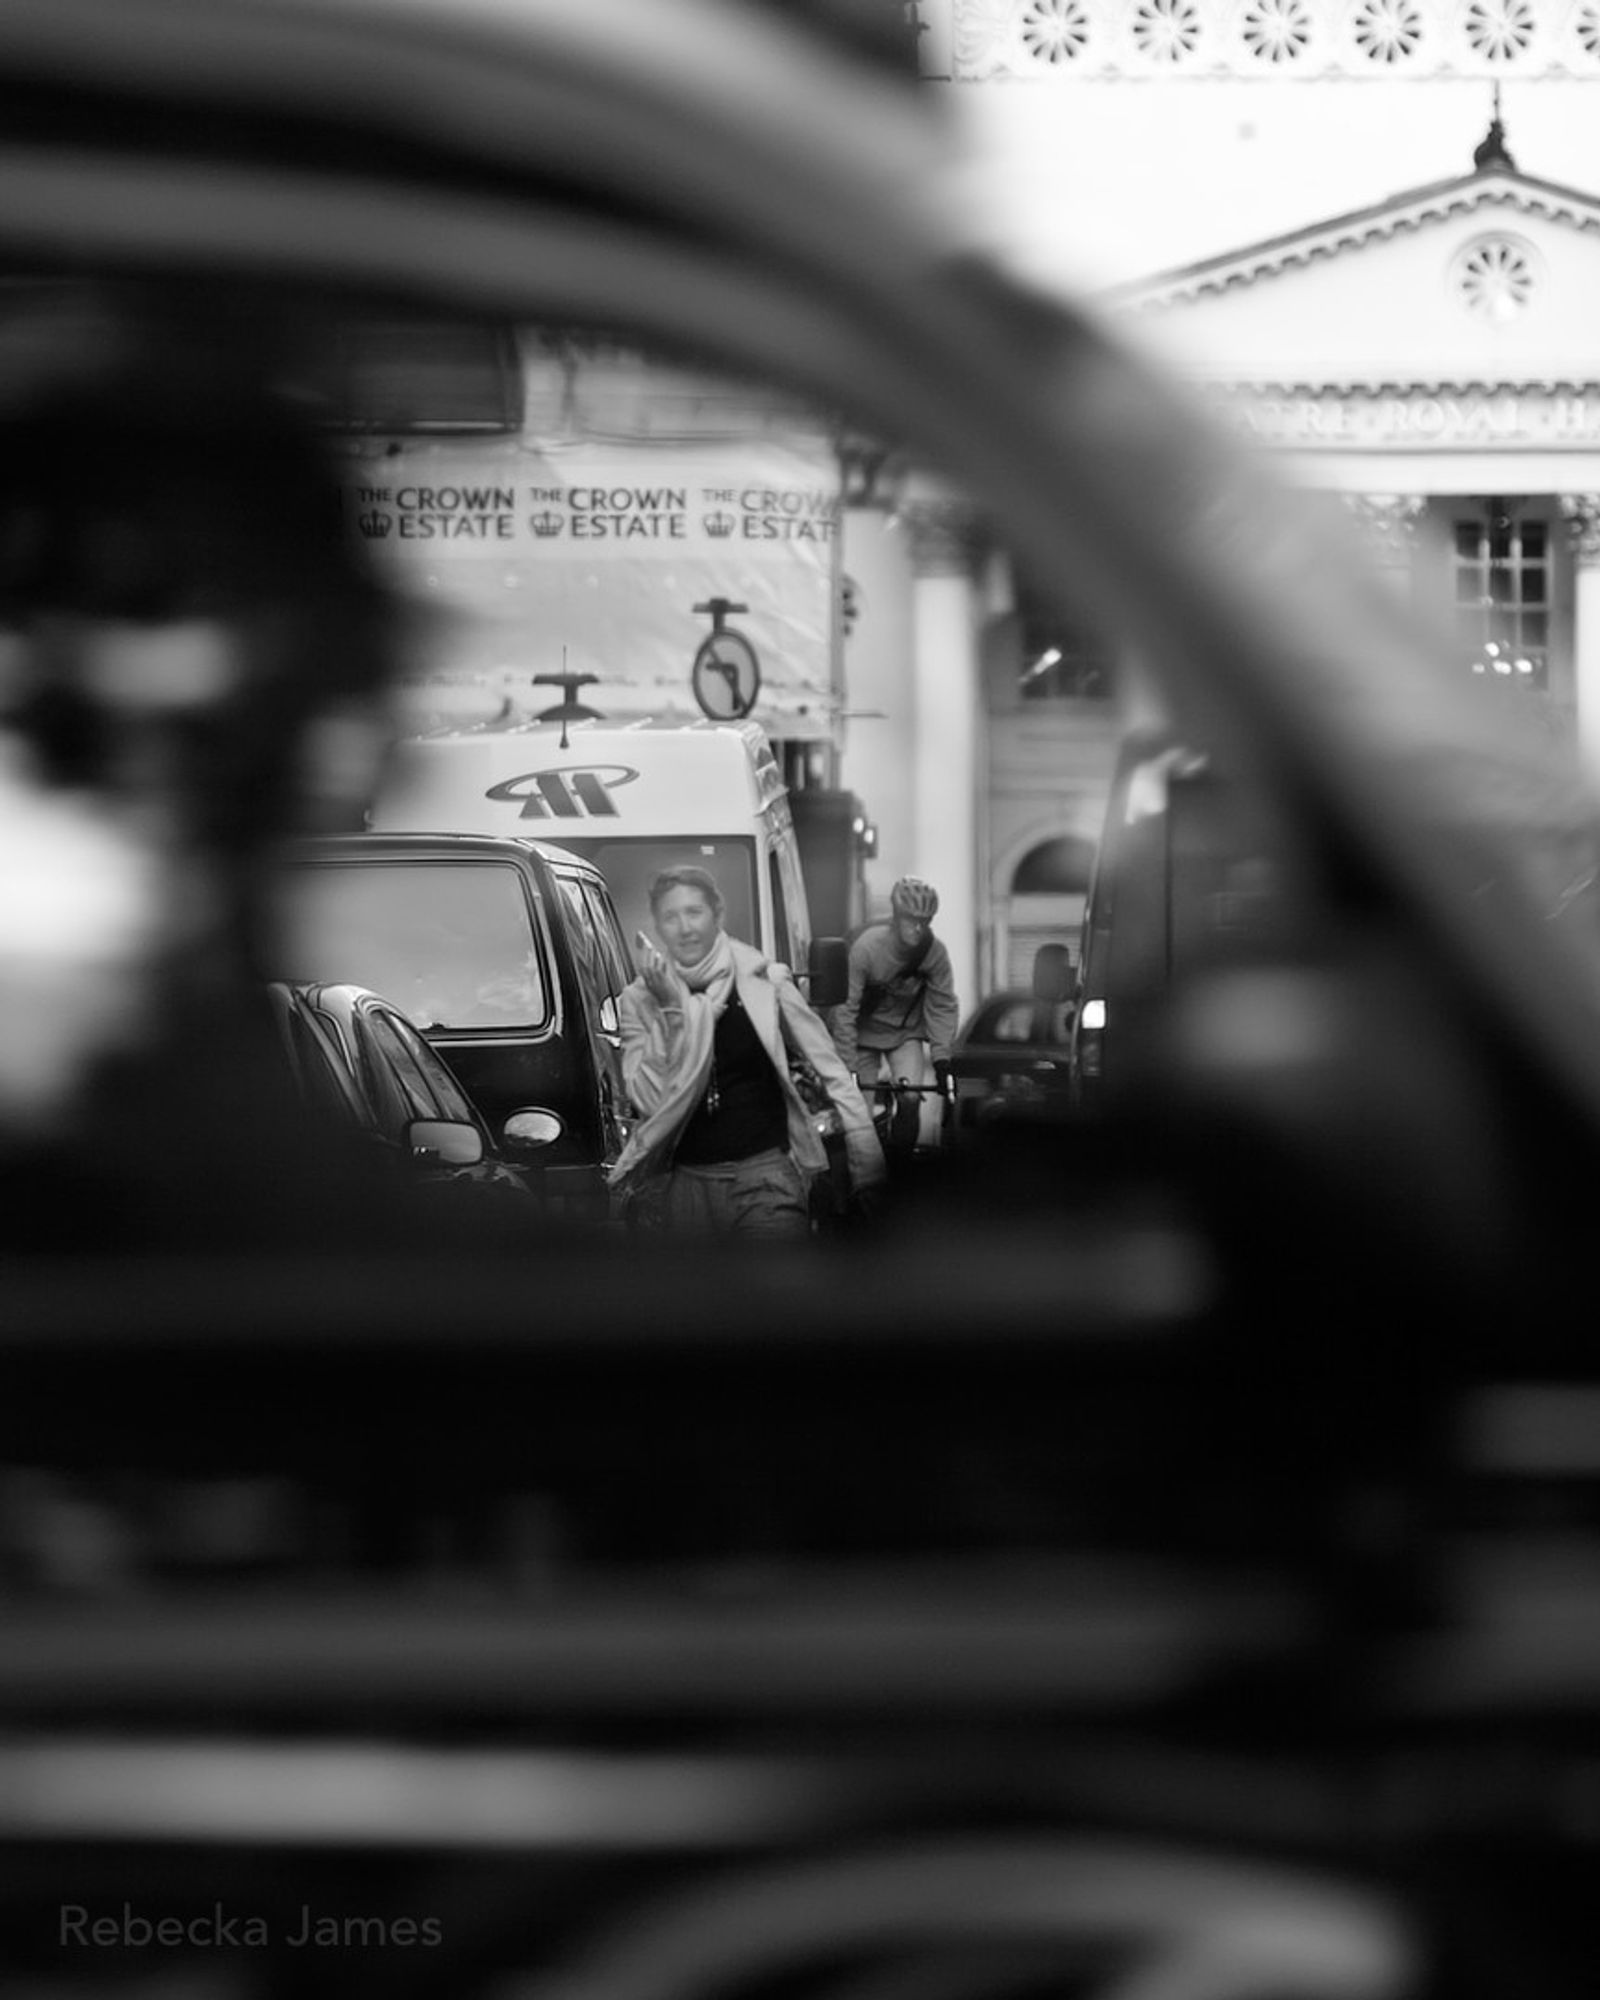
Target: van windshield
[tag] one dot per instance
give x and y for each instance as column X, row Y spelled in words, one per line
column 451, row 944
column 630, row 866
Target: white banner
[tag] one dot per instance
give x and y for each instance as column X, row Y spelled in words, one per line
column 598, row 559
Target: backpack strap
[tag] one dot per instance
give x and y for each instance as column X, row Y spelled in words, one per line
column 874, row 991
column 921, row 951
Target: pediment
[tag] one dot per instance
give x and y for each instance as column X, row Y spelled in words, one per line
column 1487, row 279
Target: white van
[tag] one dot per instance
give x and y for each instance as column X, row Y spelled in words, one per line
column 634, row 798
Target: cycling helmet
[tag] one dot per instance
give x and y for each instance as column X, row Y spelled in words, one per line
column 913, row 898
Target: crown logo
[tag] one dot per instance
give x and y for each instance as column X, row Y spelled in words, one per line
column 375, row 525
column 546, row 524
column 718, row 526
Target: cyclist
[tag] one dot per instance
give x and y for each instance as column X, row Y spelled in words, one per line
column 899, row 1018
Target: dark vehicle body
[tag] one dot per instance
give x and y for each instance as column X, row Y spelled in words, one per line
column 357, row 1058
column 508, row 957
column 1009, row 1060
column 1188, row 875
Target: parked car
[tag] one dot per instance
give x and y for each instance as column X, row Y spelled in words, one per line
column 1009, row 1060
column 507, row 955
column 357, row 1060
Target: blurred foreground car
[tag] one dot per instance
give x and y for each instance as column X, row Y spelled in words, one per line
column 1190, row 876
column 1177, row 1578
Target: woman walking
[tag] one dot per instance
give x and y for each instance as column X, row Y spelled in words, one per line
column 709, row 1030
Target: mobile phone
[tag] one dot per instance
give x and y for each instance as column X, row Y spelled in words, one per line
column 645, row 944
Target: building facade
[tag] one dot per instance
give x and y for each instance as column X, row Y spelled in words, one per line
column 1424, row 357
column 1432, row 360
column 1430, row 364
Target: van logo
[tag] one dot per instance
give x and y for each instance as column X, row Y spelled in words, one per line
column 566, row 793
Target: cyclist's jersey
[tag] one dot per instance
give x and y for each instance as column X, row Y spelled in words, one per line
column 894, row 1000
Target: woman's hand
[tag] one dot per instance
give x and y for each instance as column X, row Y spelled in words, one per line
column 659, row 976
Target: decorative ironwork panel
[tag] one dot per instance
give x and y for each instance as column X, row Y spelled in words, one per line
column 1495, row 277
column 1582, row 514
column 1104, row 40
column 1389, row 523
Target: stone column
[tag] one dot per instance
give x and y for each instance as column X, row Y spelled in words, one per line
column 1388, row 522
column 934, row 25
column 1582, row 511
column 947, row 751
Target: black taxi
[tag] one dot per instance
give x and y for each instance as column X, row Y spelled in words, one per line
column 509, row 957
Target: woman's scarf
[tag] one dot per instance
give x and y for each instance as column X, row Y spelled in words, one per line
column 712, row 977
column 708, row 988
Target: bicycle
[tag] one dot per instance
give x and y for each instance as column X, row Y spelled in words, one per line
column 912, row 1114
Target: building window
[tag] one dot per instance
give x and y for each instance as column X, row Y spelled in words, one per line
column 1502, row 596
column 1045, row 906
column 1059, row 867
column 1061, row 660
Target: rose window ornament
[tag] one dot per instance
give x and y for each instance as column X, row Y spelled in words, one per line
column 1166, row 31
column 1277, row 31
column 1387, row 31
column 1500, row 30
column 1055, row 31
column 1495, row 278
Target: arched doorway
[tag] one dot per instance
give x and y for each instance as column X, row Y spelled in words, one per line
column 1045, row 901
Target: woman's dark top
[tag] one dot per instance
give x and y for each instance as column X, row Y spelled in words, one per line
column 743, row 1109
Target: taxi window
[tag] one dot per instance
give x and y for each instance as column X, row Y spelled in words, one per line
column 585, row 945
column 614, row 953
column 1013, row 1022
column 386, row 1108
column 431, row 1092
column 791, row 910
column 451, row 944
column 630, row 866
column 324, row 1083
column 391, row 1105
column 1024, row 1019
